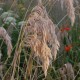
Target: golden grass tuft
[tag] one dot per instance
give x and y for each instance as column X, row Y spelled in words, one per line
column 70, row 10
column 40, row 36
column 4, row 35
column 69, row 4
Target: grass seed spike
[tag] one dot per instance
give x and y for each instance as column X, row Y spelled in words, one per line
column 40, row 36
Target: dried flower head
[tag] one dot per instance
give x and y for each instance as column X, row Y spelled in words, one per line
column 66, row 72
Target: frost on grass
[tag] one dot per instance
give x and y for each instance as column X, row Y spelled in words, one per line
column 40, row 36
column 6, row 14
column 4, row 35
column 10, row 20
column 21, row 23
column 9, row 13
